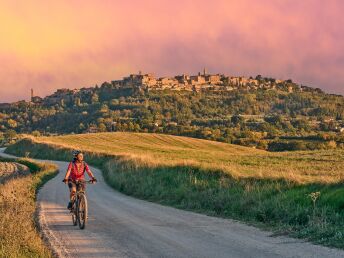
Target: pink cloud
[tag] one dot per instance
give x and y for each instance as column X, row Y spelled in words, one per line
column 82, row 43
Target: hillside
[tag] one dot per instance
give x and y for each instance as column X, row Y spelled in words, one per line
column 258, row 112
column 297, row 193
column 238, row 161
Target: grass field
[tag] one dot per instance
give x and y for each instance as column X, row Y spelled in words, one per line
column 19, row 236
column 272, row 190
column 238, row 161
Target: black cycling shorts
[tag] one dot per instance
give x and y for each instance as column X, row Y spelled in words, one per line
column 72, row 186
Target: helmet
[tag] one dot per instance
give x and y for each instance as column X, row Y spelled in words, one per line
column 76, row 152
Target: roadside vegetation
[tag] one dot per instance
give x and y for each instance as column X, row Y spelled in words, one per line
column 9, row 170
column 19, row 236
column 299, row 193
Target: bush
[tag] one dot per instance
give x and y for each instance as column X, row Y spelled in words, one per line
column 286, row 146
column 36, row 133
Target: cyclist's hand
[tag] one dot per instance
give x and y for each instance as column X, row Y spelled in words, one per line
column 93, row 180
column 65, row 180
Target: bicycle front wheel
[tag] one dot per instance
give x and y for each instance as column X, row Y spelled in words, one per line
column 82, row 211
column 74, row 212
column 74, row 219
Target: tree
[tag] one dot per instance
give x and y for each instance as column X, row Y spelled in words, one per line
column 104, row 108
column 275, row 119
column 12, row 123
column 36, row 133
column 95, row 98
column 216, row 133
column 81, row 127
column 237, row 119
column 102, row 127
column 10, row 135
column 77, row 101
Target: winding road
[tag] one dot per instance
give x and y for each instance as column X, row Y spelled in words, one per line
column 122, row 226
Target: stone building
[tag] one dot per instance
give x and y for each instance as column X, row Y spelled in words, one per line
column 186, row 82
column 135, row 80
column 35, row 99
column 167, row 81
column 183, row 79
column 213, row 79
column 197, row 79
column 60, row 96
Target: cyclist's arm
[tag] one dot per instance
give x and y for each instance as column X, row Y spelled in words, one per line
column 68, row 171
column 89, row 172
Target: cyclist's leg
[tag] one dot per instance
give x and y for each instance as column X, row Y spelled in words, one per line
column 72, row 191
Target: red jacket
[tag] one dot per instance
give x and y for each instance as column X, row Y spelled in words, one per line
column 78, row 174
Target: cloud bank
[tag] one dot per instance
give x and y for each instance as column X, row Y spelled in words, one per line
column 48, row 45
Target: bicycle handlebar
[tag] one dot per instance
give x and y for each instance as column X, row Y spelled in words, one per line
column 82, row 181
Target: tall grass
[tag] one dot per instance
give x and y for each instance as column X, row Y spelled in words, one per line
column 19, row 236
column 281, row 203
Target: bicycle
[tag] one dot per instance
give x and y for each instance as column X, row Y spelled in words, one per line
column 79, row 206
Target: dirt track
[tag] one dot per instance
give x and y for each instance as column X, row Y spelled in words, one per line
column 121, row 226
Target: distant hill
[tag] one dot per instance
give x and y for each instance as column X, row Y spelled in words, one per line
column 259, row 112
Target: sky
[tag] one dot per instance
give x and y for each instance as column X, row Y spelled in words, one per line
column 46, row 45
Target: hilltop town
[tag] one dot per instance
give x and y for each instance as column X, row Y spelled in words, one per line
column 194, row 83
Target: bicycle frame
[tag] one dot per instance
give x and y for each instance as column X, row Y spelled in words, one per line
column 79, row 209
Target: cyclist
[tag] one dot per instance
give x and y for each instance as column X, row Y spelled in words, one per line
column 76, row 171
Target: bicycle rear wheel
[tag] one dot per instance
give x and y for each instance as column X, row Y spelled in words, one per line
column 82, row 211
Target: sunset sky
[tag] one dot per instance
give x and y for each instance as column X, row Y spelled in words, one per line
column 47, row 45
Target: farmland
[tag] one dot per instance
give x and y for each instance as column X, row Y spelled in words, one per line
column 240, row 162
column 269, row 190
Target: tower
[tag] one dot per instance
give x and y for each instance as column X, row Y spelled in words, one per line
column 204, row 71
column 32, row 95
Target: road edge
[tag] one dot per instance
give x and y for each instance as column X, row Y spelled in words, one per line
column 47, row 235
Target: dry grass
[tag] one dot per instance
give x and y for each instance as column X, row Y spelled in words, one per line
column 240, row 162
column 11, row 169
column 18, row 234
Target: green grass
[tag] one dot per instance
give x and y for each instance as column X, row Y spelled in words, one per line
column 19, row 236
column 270, row 190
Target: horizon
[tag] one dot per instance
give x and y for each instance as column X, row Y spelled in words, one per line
column 81, row 44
